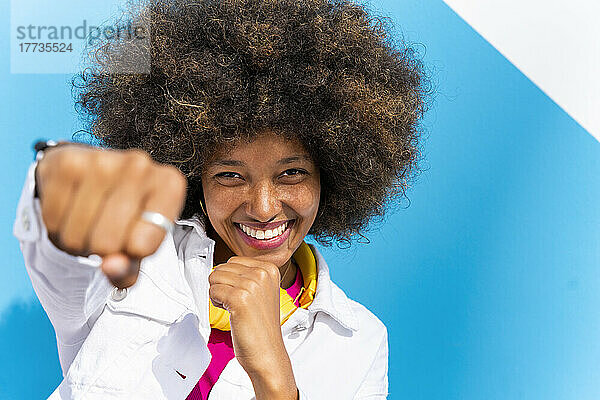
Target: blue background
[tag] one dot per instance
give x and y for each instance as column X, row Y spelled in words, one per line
column 487, row 282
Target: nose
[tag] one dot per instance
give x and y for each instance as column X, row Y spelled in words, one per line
column 263, row 204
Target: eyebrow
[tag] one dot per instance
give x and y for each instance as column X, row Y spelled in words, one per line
column 292, row 159
column 238, row 163
column 228, row 163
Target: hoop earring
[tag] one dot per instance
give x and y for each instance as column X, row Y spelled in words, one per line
column 202, row 207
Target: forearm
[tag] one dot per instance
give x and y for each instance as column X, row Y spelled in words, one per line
column 276, row 380
column 282, row 387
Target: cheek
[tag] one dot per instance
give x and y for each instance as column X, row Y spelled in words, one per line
column 306, row 201
column 219, row 204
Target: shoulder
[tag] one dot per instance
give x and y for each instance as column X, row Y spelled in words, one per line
column 367, row 319
column 366, row 341
column 367, row 322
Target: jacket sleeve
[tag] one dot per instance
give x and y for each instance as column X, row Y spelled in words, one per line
column 375, row 384
column 71, row 289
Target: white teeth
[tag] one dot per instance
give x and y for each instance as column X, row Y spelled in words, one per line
column 264, row 235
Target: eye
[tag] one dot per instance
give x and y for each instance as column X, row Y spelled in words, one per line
column 294, row 171
column 228, row 175
column 229, row 178
column 293, row 174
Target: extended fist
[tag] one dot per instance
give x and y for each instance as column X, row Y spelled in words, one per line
column 92, row 200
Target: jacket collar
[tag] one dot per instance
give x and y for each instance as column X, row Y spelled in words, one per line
column 329, row 298
column 196, row 223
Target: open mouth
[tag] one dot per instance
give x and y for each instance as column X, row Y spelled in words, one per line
column 265, row 238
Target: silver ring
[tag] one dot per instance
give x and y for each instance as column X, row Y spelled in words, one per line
column 159, row 220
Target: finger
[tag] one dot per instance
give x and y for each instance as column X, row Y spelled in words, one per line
column 60, row 165
column 258, row 271
column 111, row 231
column 222, row 295
column 167, row 188
column 120, row 270
column 232, row 278
column 249, row 261
column 233, row 266
column 88, row 197
column 238, row 269
column 55, row 201
column 271, row 269
column 57, row 178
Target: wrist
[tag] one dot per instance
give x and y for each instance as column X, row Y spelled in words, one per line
column 277, row 384
column 40, row 148
column 272, row 391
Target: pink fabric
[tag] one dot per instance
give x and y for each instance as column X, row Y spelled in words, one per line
column 221, row 348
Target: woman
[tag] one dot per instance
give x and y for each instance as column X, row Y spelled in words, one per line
column 261, row 122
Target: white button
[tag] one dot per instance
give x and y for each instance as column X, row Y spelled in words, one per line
column 26, row 220
column 118, row 294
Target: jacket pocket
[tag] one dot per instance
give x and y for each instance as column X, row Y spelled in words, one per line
column 141, row 347
column 115, row 356
column 154, row 361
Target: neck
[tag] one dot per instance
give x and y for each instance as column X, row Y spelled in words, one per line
column 223, row 253
column 288, row 274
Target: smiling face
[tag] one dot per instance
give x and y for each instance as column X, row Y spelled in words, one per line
column 262, row 197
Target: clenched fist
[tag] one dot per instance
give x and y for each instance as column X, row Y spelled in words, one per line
column 249, row 290
column 92, row 200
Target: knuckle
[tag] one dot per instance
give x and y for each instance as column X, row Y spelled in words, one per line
column 273, row 271
column 252, row 286
column 107, row 166
column 52, row 158
column 71, row 164
column 261, row 274
column 211, row 291
column 41, row 171
column 138, row 161
column 175, row 179
column 212, row 278
column 139, row 154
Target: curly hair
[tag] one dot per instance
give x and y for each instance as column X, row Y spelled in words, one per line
column 323, row 71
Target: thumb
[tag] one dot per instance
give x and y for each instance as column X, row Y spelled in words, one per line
column 120, row 270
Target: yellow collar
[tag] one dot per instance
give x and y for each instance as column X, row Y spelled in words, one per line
column 304, row 257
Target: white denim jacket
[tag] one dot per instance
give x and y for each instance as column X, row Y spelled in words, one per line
column 149, row 341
